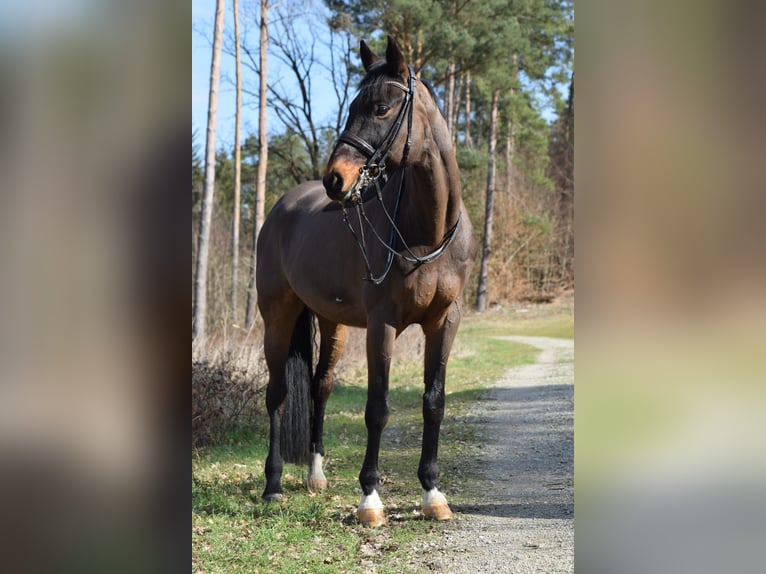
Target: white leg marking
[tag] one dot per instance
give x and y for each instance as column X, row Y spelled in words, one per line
column 435, row 505
column 370, row 502
column 316, row 479
column 433, row 497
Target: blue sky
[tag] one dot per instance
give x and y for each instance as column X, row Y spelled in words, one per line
column 203, row 15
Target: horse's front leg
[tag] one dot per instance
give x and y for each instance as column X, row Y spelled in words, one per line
column 439, row 338
column 380, row 343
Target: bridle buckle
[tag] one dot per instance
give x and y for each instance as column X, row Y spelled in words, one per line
column 368, row 174
column 372, row 172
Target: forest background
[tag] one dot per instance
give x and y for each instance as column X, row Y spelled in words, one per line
column 503, row 72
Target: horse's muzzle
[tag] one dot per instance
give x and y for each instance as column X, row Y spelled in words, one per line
column 340, row 177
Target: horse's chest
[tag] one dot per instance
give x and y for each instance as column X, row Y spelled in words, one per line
column 421, row 291
column 424, row 292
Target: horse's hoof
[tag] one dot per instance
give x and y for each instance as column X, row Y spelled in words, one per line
column 273, row 497
column 372, row 517
column 370, row 511
column 438, row 512
column 435, row 506
column 316, row 483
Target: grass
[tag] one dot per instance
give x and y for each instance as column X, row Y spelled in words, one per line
column 233, row 531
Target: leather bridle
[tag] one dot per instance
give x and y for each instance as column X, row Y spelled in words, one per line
column 373, row 172
column 375, row 166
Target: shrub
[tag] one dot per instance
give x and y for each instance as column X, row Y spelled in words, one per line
column 225, row 393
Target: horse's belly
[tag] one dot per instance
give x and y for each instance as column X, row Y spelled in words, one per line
column 325, row 293
column 335, row 308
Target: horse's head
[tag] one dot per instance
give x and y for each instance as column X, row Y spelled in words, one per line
column 378, row 132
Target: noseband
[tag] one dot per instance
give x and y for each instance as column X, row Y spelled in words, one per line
column 373, row 172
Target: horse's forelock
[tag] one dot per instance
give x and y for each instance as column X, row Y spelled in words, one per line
column 375, row 77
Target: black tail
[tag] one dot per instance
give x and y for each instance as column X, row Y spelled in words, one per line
column 296, row 421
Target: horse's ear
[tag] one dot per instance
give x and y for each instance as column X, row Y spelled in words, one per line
column 395, row 59
column 368, row 56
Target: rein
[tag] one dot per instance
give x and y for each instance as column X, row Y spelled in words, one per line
column 372, row 173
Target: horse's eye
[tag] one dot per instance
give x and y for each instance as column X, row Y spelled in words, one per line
column 381, row 110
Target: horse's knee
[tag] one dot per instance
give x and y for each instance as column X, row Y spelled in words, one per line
column 433, row 406
column 376, row 413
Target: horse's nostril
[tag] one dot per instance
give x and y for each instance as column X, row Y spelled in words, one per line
column 337, row 182
column 333, row 183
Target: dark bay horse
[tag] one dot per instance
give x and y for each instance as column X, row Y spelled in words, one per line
column 392, row 246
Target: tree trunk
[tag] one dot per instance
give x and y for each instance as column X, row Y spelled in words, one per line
column 237, row 172
column 481, row 293
column 263, row 154
column 456, row 107
column 563, row 162
column 468, row 142
column 418, row 62
column 509, row 156
column 450, row 81
column 206, row 215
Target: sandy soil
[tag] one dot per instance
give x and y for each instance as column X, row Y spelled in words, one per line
column 523, row 517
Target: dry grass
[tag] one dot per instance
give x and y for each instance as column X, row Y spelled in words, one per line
column 408, row 348
column 229, row 378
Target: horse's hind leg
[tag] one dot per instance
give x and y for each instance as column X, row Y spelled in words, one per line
column 333, row 338
column 439, row 338
column 279, row 318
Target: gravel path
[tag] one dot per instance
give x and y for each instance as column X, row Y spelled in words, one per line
column 524, row 519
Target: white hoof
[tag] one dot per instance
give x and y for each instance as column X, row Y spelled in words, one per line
column 370, row 512
column 435, row 506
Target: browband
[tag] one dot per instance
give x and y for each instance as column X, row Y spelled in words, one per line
column 400, row 85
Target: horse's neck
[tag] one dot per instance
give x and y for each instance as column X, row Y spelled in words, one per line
column 435, row 198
